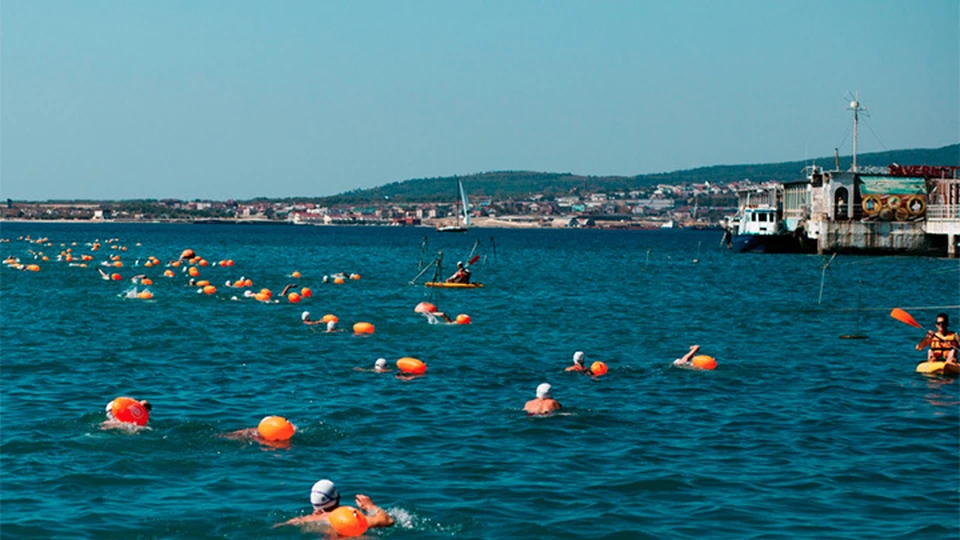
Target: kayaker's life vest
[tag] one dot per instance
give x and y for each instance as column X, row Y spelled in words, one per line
column 941, row 344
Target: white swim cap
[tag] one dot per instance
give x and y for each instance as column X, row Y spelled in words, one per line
column 248, row 294
column 305, row 315
column 324, row 495
column 381, row 363
column 578, row 357
column 331, row 324
column 543, row 391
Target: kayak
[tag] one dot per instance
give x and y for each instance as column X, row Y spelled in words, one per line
column 938, row 368
column 445, row 285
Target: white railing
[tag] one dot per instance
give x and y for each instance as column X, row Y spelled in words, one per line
column 943, row 211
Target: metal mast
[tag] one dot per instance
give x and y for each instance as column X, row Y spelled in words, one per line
column 856, row 108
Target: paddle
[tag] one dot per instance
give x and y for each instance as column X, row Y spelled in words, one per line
column 473, row 260
column 905, row 318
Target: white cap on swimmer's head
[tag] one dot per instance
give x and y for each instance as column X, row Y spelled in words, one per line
column 381, row 363
column 305, row 315
column 331, row 325
column 543, row 391
column 324, row 496
column 578, row 357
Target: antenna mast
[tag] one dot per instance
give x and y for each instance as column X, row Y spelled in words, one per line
column 856, row 108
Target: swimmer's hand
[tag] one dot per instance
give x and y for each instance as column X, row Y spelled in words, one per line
column 364, row 502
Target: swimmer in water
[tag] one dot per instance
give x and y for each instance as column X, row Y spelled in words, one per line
column 103, row 275
column 130, row 410
column 579, row 363
column 380, row 366
column 433, row 317
column 332, row 326
column 305, row 317
column 255, row 434
column 325, row 499
column 287, row 288
column 687, row 359
column 544, row 403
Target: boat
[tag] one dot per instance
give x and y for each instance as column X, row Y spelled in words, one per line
column 938, row 368
column 446, row 285
column 759, row 228
column 463, row 213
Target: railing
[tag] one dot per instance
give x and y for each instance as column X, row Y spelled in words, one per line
column 943, row 211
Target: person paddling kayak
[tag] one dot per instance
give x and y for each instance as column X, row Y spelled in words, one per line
column 943, row 343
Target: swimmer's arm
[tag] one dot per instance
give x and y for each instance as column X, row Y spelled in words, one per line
column 379, row 518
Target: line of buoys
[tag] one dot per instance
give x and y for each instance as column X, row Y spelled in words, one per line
column 411, row 365
column 276, row 428
column 363, row 328
column 347, row 521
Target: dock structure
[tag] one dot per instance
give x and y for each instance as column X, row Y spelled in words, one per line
column 943, row 211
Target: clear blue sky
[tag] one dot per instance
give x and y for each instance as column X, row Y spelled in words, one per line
column 233, row 99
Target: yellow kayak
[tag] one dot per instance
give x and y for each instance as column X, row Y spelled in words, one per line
column 445, row 285
column 938, row 368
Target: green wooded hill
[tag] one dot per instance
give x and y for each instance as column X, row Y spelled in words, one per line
column 519, row 184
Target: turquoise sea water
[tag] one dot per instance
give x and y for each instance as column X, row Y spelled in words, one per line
column 796, row 434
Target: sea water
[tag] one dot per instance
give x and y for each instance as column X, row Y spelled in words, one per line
column 796, row 434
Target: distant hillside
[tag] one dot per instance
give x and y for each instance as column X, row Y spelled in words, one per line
column 516, row 184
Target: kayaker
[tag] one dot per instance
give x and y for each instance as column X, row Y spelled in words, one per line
column 943, row 343
column 544, row 403
column 461, row 276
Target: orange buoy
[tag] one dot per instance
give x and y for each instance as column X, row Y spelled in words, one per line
column 193, row 271
column 175, row 264
column 148, row 264
column 355, row 276
column 188, row 254
column 202, row 283
column 266, row 292
column 116, row 277
column 348, row 521
column 118, row 264
column 33, row 267
column 306, row 292
column 330, row 317
column 248, row 283
column 703, row 361
column 261, row 297
column 126, row 409
column 338, row 281
column 295, row 274
column 276, row 428
column 411, row 365
column 209, row 289
column 203, row 262
column 293, row 298
column 229, row 262
column 463, row 318
column 145, row 295
column 168, row 272
column 425, row 307
column 598, row 368
column 146, row 281
column 363, row 328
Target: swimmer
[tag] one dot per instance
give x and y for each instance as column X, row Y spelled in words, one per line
column 287, row 288
column 325, row 499
column 380, row 366
column 103, row 275
column 544, row 403
column 579, row 363
column 326, row 279
column 332, row 326
column 256, row 434
column 305, row 317
column 134, row 414
column 433, row 317
column 686, row 360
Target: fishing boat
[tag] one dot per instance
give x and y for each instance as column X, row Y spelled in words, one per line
column 462, row 213
column 759, row 228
